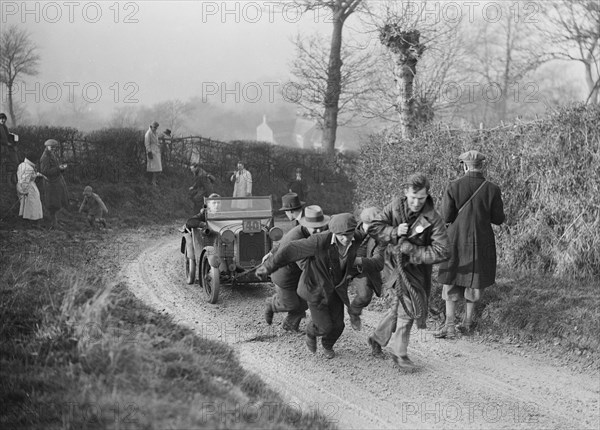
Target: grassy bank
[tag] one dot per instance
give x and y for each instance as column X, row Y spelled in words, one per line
column 79, row 352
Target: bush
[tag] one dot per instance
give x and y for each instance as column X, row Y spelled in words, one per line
column 547, row 171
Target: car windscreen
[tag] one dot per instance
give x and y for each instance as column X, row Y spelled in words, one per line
column 238, row 208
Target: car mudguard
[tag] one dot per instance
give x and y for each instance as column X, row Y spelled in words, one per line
column 211, row 254
column 187, row 242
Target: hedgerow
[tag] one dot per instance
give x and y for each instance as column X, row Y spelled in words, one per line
column 547, row 171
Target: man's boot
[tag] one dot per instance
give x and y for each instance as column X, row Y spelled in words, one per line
column 375, row 347
column 355, row 322
column 448, row 331
column 269, row 310
column 311, row 343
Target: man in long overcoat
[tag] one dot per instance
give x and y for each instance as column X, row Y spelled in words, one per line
column 153, row 154
column 330, row 262
column 286, row 278
column 471, row 205
column 419, row 240
column 55, row 187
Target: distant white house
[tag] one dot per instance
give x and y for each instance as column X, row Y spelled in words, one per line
column 264, row 133
column 302, row 133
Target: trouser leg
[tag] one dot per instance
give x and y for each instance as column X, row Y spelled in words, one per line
column 327, row 321
column 401, row 337
column 364, row 295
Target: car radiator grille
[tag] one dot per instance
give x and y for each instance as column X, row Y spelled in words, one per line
column 253, row 246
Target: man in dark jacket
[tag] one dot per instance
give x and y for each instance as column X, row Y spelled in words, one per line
column 55, row 188
column 471, row 205
column 419, row 240
column 330, row 262
column 369, row 283
column 286, row 278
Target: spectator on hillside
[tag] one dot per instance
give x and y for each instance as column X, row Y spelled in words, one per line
column 202, row 187
column 299, row 185
column 470, row 205
column 242, row 181
column 94, row 207
column 27, row 190
column 242, row 186
column 56, row 195
column 154, row 161
column 9, row 159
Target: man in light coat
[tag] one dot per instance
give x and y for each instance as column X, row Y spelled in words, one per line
column 242, row 181
column 154, row 161
column 471, row 205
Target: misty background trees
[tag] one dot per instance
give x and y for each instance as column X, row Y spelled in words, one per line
column 381, row 64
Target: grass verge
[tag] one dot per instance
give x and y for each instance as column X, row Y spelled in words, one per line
column 77, row 353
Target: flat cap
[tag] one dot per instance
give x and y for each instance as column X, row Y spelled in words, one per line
column 342, row 223
column 471, row 157
column 51, row 142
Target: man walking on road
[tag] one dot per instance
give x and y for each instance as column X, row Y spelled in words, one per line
column 471, row 205
column 418, row 234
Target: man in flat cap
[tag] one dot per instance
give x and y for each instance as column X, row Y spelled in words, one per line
column 55, row 188
column 367, row 284
column 330, row 262
column 418, row 239
column 470, row 205
column 154, row 160
column 286, row 278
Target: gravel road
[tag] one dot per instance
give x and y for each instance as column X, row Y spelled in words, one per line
column 462, row 384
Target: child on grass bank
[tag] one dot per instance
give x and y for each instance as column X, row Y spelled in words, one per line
column 94, row 207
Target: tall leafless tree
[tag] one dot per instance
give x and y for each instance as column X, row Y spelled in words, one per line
column 340, row 10
column 18, row 56
column 310, row 67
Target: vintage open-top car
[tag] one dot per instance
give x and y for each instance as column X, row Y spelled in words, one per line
column 227, row 242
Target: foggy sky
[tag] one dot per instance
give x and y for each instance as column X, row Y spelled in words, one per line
column 150, row 51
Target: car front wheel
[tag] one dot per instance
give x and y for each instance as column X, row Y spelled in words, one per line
column 210, row 280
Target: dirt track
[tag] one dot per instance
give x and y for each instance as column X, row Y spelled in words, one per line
column 460, row 384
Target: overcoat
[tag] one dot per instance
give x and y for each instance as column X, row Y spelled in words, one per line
column 472, row 262
column 31, row 204
column 152, row 145
column 55, row 188
column 427, row 238
column 322, row 275
column 242, row 183
column 288, row 276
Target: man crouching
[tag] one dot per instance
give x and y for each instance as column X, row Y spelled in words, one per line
column 330, row 262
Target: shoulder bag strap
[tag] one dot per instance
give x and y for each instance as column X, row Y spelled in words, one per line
column 471, row 198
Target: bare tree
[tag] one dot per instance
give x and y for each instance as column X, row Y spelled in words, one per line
column 407, row 36
column 310, row 67
column 573, row 27
column 503, row 54
column 340, row 11
column 18, row 56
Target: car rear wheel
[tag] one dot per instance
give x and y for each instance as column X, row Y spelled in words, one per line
column 210, row 280
column 190, row 268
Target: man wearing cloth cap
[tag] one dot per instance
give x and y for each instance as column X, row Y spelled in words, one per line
column 94, row 207
column 330, row 262
column 417, row 232
column 471, row 205
column 286, row 278
column 55, row 188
